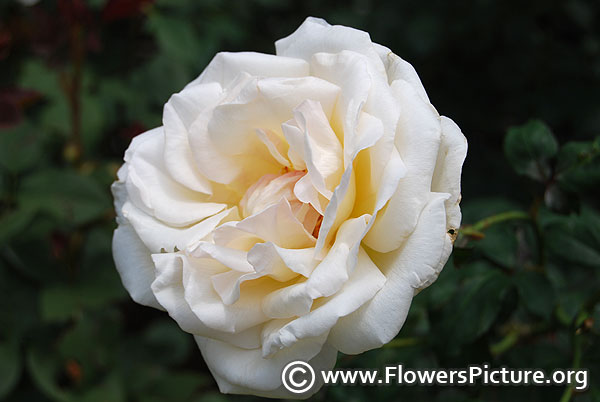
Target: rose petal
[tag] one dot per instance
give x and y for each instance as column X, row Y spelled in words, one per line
column 224, row 141
column 156, row 192
column 157, row 236
column 208, row 306
column 406, row 269
column 226, row 66
column 243, row 371
column 168, row 288
column 179, row 113
column 446, row 177
column 369, row 131
column 363, row 284
column 279, row 225
column 315, row 35
column 325, row 280
column 275, row 144
column 399, row 69
column 417, row 140
column 270, row 258
column 134, row 265
column 313, row 141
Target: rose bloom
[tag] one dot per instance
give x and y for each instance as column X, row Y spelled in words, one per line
column 291, row 205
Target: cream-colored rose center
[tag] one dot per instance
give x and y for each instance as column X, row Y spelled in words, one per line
column 271, row 188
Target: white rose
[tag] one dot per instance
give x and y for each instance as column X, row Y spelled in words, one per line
column 291, row 205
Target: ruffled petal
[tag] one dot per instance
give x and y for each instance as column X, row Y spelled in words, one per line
column 417, row 140
column 398, row 69
column 158, row 236
column 446, row 177
column 407, row 269
column 208, row 306
column 363, row 284
column 279, row 225
column 155, row 192
column 368, row 131
column 325, row 280
column 243, row 371
column 179, row 113
column 225, row 144
column 268, row 257
column 313, row 141
column 226, row 66
column 134, row 264
column 315, row 35
column 169, row 289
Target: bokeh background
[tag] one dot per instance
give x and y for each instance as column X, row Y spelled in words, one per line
column 79, row 79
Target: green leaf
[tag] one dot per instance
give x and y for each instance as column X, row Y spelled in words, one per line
column 569, row 304
column 500, row 244
column 10, row 366
column 536, row 291
column 13, row 223
column 579, row 166
column 174, row 387
column 445, row 286
column 529, row 148
column 65, row 195
column 175, row 36
column 211, row 397
column 60, row 302
column 55, row 115
column 44, row 368
column 573, row 238
column 13, row 142
column 111, row 390
column 18, row 304
column 476, row 305
column 168, row 343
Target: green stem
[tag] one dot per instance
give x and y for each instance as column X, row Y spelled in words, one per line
column 577, row 343
column 505, row 343
column 476, row 229
column 402, row 342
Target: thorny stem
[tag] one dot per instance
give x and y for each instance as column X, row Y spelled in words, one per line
column 71, row 85
column 476, row 229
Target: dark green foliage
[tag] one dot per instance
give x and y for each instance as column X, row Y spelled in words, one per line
column 80, row 79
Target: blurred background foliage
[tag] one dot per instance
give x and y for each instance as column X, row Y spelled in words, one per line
column 79, row 79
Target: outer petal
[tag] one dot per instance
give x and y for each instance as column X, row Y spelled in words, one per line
column 407, row 270
column 168, row 287
column 155, row 192
column 242, row 371
column 399, row 69
column 135, row 266
column 417, row 140
column 315, row 35
column 180, row 112
column 226, row 66
column 158, row 236
column 446, row 177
